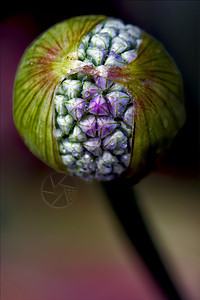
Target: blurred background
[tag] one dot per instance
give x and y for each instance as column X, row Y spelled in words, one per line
column 81, row 252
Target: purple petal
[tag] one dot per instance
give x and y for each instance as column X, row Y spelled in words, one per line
column 90, row 90
column 119, row 45
column 100, row 41
column 130, row 55
column 96, row 55
column 105, row 126
column 102, row 82
column 77, row 135
column 93, row 146
column 114, row 59
column 125, row 159
column 76, row 107
column 116, row 141
column 129, row 116
column 88, row 125
column 117, row 102
column 98, row 106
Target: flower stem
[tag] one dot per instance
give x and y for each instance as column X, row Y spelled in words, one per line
column 123, row 201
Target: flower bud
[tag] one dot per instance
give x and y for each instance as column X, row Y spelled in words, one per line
column 97, row 98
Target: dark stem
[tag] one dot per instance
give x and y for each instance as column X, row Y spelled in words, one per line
column 123, row 201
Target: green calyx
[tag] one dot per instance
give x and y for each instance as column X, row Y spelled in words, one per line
column 156, row 84
column 45, row 63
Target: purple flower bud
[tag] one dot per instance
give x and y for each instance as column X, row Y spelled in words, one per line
column 123, row 34
column 65, row 123
column 125, row 159
column 130, row 55
column 88, row 125
column 77, row 135
column 72, row 88
column 118, row 169
column 117, row 102
column 133, row 31
column 100, row 41
column 96, row 55
column 76, row 149
column 90, row 90
column 119, row 45
column 76, row 107
column 93, row 146
column 129, row 116
column 110, row 31
column 98, row 106
column 69, row 160
column 116, row 141
column 114, row 59
column 114, row 23
column 102, row 82
column 105, row 126
column 85, row 91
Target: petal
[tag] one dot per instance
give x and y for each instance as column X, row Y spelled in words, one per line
column 102, row 82
column 76, row 149
column 76, row 107
column 90, row 90
column 96, row 55
column 119, row 45
column 72, row 88
column 98, row 106
column 100, row 41
column 117, row 102
column 129, row 116
column 105, row 126
column 88, row 125
column 77, row 135
column 93, row 146
column 115, row 141
column 65, row 123
column 114, row 59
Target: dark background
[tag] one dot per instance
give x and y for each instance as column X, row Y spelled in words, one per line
column 80, row 252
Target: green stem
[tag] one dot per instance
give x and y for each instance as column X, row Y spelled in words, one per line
column 123, row 201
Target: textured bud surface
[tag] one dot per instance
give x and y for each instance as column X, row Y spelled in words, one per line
column 94, row 130
column 94, row 115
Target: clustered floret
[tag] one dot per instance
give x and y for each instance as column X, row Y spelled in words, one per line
column 110, row 43
column 94, row 116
